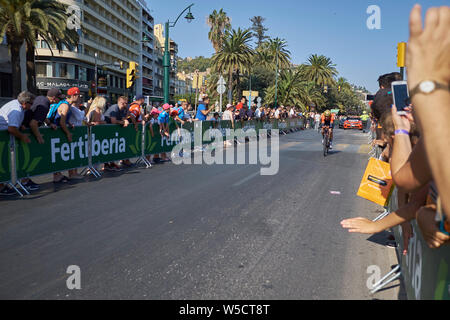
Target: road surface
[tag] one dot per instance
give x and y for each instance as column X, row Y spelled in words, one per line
column 201, row 232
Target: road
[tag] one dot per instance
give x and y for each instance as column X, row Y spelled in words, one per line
column 200, row 232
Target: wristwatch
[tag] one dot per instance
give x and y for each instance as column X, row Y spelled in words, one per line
column 427, row 87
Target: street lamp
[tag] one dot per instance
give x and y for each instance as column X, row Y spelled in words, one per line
column 166, row 62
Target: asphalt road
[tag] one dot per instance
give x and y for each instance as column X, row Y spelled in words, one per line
column 200, row 232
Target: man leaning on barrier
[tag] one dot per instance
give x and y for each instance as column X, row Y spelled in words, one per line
column 11, row 118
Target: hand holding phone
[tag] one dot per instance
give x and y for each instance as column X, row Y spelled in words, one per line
column 400, row 94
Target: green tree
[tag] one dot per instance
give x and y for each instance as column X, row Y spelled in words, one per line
column 23, row 21
column 259, row 31
column 234, row 56
column 274, row 53
column 219, row 23
column 320, row 70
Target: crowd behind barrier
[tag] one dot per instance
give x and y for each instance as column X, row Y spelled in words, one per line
column 93, row 145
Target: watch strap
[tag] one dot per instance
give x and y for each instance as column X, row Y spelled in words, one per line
column 438, row 86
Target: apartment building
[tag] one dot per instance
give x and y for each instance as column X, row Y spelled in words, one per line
column 111, row 31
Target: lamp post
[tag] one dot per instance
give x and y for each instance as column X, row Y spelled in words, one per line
column 166, row 61
column 276, row 84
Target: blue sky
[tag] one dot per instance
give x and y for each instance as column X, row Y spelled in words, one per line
column 334, row 28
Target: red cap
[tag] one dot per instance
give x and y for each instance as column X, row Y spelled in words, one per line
column 174, row 113
column 73, row 91
column 166, row 106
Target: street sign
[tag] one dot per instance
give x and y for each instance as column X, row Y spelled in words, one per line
column 221, row 81
column 221, row 89
column 247, row 94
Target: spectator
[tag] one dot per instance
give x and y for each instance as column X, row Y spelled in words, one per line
column 118, row 113
column 202, row 111
column 95, row 117
column 95, row 114
column 241, row 104
column 11, row 118
column 135, row 110
column 60, row 116
column 36, row 117
column 163, row 121
column 76, row 120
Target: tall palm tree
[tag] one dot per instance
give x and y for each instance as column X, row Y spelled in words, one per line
column 320, row 70
column 259, row 31
column 234, row 55
column 23, row 21
column 219, row 23
column 276, row 53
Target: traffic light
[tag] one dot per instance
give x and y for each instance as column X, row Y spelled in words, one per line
column 132, row 74
column 401, row 52
column 325, row 89
column 339, row 88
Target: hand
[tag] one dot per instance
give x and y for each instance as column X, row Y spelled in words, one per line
column 69, row 137
column 429, row 227
column 427, row 55
column 400, row 122
column 125, row 123
column 407, row 233
column 53, row 126
column 360, row 225
column 25, row 138
column 40, row 140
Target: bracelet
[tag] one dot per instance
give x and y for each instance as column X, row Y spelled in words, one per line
column 402, row 131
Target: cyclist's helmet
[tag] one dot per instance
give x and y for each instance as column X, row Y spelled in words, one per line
column 327, row 113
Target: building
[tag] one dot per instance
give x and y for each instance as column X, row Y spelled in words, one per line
column 147, row 59
column 111, row 32
column 173, row 49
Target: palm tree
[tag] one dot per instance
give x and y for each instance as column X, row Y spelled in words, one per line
column 24, row 21
column 259, row 30
column 235, row 55
column 320, row 70
column 276, row 54
column 219, row 23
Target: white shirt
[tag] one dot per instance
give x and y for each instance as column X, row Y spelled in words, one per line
column 227, row 115
column 77, row 116
column 11, row 115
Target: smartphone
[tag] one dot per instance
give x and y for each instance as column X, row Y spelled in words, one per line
column 400, row 94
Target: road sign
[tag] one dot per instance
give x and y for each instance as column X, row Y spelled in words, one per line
column 221, row 89
column 247, row 94
column 221, row 81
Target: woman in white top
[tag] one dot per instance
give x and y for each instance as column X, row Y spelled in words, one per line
column 228, row 115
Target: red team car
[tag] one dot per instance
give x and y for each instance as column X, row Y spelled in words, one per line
column 353, row 123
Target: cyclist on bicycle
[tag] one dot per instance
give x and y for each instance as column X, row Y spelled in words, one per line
column 327, row 120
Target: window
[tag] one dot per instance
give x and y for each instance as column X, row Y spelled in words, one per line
column 82, row 74
column 41, row 69
column 71, row 71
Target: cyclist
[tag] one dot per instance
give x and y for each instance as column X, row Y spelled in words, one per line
column 327, row 120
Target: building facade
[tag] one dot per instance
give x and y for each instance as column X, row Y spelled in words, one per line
column 147, row 59
column 110, row 33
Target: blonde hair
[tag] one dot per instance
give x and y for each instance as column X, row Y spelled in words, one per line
column 99, row 103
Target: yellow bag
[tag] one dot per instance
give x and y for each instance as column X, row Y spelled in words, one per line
column 377, row 184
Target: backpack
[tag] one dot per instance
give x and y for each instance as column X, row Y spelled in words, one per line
column 51, row 115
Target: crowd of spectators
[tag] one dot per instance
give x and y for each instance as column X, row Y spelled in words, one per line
column 417, row 145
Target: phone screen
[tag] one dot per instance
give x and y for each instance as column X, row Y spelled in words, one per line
column 401, row 97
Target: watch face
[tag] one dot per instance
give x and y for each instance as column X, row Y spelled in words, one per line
column 427, row 86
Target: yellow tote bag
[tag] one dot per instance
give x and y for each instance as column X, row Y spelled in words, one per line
column 377, row 184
